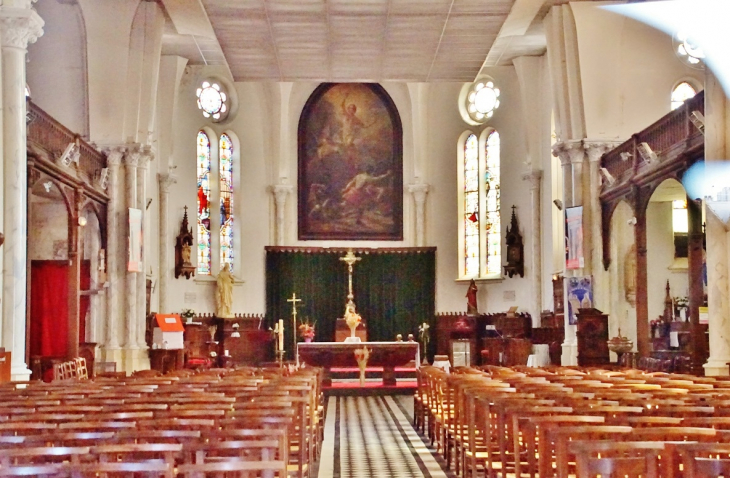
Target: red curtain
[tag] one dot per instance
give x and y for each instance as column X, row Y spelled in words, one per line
column 49, row 308
column 84, row 300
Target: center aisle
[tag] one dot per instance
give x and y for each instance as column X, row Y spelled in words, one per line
column 372, row 437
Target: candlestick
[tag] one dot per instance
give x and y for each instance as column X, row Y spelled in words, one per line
column 281, row 334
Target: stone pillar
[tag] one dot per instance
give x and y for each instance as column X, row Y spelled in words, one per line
column 643, row 347
column 694, row 260
column 18, row 28
column 114, row 283
column 419, row 191
column 140, row 320
column 281, row 192
column 535, row 181
column 131, row 160
column 165, row 181
column 717, row 148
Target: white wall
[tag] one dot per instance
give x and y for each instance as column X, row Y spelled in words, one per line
column 627, row 72
column 271, row 111
column 57, row 63
column 660, row 256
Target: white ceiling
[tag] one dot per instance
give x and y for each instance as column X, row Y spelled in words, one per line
column 355, row 40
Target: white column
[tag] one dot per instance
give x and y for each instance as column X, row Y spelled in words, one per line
column 18, row 27
column 111, row 347
column 165, row 181
column 535, row 180
column 140, row 320
column 717, row 132
column 419, row 191
column 281, row 192
column 131, row 160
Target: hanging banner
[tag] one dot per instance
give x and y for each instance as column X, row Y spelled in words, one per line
column 580, row 296
column 135, row 240
column 574, row 238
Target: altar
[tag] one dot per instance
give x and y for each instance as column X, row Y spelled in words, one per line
column 340, row 354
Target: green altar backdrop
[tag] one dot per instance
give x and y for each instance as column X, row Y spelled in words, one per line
column 395, row 290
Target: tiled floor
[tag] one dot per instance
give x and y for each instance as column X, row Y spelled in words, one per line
column 373, row 437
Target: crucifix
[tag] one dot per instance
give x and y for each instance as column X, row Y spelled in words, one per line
column 294, row 301
column 350, row 259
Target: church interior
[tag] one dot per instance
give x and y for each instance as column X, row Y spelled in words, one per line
column 352, row 238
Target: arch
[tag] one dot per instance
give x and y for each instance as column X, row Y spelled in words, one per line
column 350, row 164
column 682, row 91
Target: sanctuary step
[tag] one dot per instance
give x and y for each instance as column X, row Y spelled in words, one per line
column 346, row 382
column 338, row 373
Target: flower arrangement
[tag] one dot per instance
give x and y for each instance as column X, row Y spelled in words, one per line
column 306, row 330
column 187, row 314
column 352, row 319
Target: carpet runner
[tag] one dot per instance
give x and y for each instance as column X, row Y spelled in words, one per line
column 373, row 437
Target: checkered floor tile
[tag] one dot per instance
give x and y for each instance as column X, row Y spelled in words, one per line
column 372, row 437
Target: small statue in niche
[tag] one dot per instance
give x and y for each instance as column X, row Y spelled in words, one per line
column 184, row 249
column 515, row 251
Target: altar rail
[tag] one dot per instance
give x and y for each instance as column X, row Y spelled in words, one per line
column 49, row 134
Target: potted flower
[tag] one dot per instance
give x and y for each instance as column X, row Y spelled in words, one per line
column 188, row 315
column 306, row 331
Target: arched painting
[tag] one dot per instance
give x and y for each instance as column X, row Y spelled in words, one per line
column 350, row 164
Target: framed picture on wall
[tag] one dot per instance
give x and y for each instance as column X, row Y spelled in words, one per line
column 135, row 240
column 350, row 164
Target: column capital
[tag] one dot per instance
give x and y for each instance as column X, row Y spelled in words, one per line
column 19, row 27
column 569, row 151
column 281, row 191
column 419, row 191
column 534, row 177
column 114, row 156
column 133, row 155
column 146, row 156
column 597, row 148
column 166, row 180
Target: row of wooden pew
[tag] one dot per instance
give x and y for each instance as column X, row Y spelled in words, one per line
column 563, row 422
column 221, row 422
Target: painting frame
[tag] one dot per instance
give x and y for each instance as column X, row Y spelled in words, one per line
column 350, row 165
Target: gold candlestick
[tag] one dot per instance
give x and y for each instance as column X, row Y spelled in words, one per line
column 350, row 259
column 294, row 302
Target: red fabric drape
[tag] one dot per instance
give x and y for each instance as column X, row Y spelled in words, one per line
column 49, row 308
column 84, row 300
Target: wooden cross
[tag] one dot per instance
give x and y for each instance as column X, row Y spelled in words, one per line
column 294, row 301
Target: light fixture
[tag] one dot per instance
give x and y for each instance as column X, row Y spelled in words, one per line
column 70, row 155
column 608, row 177
column 625, row 156
column 632, row 221
column 82, row 221
column 235, row 333
column 698, row 119
column 558, row 204
column 646, row 152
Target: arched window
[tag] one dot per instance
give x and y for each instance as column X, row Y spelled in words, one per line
column 492, row 211
column 203, row 174
column 471, row 206
column 681, row 93
column 480, row 235
column 226, row 200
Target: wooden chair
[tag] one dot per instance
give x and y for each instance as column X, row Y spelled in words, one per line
column 232, row 468
column 41, row 455
column 57, row 470
column 624, row 459
column 142, row 469
column 705, row 460
column 561, row 436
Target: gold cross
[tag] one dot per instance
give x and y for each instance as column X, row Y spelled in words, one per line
column 350, row 259
column 294, row 301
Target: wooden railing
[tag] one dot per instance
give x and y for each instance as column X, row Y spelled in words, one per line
column 49, row 134
column 669, row 132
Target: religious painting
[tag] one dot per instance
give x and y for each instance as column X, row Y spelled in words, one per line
column 574, row 238
column 580, row 296
column 135, row 240
column 350, row 164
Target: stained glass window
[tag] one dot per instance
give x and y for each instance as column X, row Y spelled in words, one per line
column 226, row 200
column 492, row 214
column 471, row 206
column 681, row 93
column 203, row 203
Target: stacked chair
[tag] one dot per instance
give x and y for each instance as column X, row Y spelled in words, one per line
column 569, row 421
column 247, row 422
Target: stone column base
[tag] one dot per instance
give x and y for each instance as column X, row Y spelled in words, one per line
column 570, row 355
column 135, row 359
column 112, row 355
column 20, row 373
column 716, row 368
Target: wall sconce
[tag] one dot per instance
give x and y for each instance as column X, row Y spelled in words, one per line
column 82, row 221
column 698, row 119
column 608, row 177
column 625, row 156
column 235, row 333
column 646, row 152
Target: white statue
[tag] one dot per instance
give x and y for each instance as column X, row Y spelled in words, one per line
column 224, row 293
